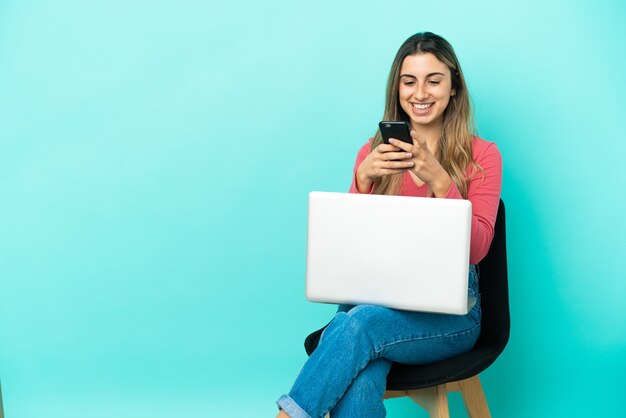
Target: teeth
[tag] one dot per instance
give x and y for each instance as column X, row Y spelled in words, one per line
column 422, row 106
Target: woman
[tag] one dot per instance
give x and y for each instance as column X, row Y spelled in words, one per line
column 346, row 374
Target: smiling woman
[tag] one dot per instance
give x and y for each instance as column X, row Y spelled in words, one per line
column 426, row 88
column 346, row 374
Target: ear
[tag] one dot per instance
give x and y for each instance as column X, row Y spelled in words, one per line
column 453, row 92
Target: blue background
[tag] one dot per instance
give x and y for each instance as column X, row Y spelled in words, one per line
column 155, row 161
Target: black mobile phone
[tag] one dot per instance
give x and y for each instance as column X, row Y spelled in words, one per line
column 395, row 129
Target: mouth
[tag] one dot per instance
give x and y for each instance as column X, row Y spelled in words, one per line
column 421, row 109
column 422, row 106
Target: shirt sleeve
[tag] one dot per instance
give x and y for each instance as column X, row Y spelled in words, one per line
column 363, row 152
column 484, row 193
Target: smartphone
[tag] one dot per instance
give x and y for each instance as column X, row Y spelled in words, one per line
column 395, row 129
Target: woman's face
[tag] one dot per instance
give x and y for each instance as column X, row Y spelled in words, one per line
column 425, row 90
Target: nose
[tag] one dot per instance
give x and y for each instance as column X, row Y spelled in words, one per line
column 420, row 92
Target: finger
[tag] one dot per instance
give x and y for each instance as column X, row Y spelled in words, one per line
column 393, row 165
column 417, row 140
column 397, row 155
column 400, row 144
column 387, row 148
column 387, row 172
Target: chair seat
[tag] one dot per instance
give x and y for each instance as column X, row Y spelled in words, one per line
column 464, row 366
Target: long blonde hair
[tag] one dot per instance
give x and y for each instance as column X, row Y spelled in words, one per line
column 455, row 145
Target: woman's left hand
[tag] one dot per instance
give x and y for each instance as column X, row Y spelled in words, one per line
column 425, row 165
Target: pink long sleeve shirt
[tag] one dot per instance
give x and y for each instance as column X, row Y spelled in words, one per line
column 483, row 192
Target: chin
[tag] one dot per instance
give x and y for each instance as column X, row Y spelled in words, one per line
column 426, row 122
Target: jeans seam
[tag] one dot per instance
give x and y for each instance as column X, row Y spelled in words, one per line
column 377, row 351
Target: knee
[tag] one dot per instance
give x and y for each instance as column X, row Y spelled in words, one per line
column 362, row 321
column 366, row 317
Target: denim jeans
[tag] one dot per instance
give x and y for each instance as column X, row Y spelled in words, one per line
column 347, row 373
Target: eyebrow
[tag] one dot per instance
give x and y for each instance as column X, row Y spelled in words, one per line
column 428, row 75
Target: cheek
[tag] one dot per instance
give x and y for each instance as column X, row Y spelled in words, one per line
column 402, row 93
column 446, row 95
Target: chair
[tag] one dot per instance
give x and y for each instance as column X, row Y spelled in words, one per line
column 429, row 384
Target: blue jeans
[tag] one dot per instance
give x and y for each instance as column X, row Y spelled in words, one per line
column 347, row 373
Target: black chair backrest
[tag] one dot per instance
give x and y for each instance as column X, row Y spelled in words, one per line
column 495, row 325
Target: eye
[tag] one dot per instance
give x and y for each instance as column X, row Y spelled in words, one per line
column 409, row 83
column 434, row 82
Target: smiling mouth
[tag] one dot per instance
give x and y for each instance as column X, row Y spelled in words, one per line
column 419, row 106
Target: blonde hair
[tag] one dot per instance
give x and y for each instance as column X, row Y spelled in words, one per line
column 455, row 145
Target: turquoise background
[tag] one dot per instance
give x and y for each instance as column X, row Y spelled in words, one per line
column 155, row 161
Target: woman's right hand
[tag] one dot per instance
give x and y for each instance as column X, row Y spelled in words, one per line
column 383, row 160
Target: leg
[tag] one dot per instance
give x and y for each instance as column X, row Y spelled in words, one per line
column 365, row 333
column 433, row 399
column 340, row 356
column 474, row 398
column 364, row 397
column 415, row 337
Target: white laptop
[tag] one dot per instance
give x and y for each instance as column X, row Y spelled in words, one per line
column 408, row 253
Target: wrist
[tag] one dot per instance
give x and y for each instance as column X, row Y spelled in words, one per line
column 441, row 185
column 363, row 182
